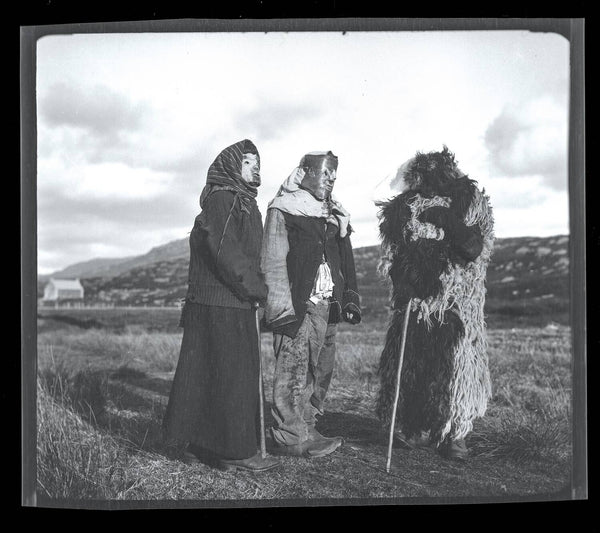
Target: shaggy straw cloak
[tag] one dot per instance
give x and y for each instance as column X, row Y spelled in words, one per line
column 445, row 380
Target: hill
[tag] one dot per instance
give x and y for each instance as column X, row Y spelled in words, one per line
column 99, row 267
column 528, row 280
column 527, row 277
column 110, row 267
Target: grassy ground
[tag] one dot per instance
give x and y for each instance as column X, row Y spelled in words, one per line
column 102, row 391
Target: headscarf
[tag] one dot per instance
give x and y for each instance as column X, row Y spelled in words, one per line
column 296, row 201
column 225, row 173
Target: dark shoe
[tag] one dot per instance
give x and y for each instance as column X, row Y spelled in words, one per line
column 253, row 464
column 194, row 455
column 309, row 448
column 315, row 436
column 419, row 440
column 455, row 449
column 190, row 458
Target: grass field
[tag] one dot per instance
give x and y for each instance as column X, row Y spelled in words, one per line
column 104, row 379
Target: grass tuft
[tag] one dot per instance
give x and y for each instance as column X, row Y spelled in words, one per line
column 74, row 460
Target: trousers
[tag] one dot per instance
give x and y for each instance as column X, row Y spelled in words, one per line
column 303, row 370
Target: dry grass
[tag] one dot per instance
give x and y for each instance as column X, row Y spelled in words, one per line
column 102, row 394
column 74, row 460
column 530, row 415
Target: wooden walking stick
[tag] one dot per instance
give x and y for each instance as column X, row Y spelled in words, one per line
column 263, row 447
column 398, row 374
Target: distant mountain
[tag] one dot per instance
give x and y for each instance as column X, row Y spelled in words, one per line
column 100, row 267
column 527, row 276
column 111, row 267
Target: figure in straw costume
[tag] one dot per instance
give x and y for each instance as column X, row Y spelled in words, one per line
column 437, row 238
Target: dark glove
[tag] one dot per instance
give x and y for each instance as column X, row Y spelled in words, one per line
column 289, row 330
column 258, row 296
column 351, row 314
column 259, row 303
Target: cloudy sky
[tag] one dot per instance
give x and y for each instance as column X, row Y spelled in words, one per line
column 129, row 123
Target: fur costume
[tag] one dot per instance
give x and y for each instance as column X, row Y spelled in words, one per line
column 437, row 238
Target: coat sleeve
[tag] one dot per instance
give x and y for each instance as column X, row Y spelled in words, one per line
column 350, row 297
column 469, row 242
column 466, row 241
column 220, row 225
column 279, row 310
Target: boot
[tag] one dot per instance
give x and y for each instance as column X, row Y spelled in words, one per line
column 455, row 449
column 315, row 436
column 196, row 455
column 253, row 464
column 418, row 440
column 309, row 448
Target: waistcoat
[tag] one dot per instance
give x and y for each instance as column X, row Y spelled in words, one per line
column 310, row 240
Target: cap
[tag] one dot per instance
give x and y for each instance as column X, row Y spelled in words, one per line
column 319, row 161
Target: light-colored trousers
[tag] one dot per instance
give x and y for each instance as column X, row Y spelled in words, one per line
column 303, row 370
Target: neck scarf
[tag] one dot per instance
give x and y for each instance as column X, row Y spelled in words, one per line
column 225, row 173
column 296, row 201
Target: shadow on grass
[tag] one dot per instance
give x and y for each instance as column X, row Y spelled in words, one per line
column 354, row 428
column 85, row 323
column 142, row 380
column 140, row 402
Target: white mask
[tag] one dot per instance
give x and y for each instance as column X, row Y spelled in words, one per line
column 251, row 169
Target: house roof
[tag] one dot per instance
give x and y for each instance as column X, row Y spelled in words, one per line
column 67, row 284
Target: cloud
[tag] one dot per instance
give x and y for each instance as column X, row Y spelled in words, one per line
column 523, row 194
column 270, row 119
column 101, row 182
column 529, row 139
column 92, row 122
column 98, row 109
column 72, row 229
column 550, row 217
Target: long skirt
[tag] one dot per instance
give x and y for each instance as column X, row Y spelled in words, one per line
column 214, row 396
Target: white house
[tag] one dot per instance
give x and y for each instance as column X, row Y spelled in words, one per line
column 63, row 292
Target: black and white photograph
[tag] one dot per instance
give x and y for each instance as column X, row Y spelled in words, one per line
column 300, row 265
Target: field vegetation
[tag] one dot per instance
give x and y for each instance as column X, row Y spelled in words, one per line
column 104, row 377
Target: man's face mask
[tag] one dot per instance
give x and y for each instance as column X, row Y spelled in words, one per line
column 319, row 183
column 251, row 169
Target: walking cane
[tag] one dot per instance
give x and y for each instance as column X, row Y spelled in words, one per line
column 263, row 447
column 398, row 374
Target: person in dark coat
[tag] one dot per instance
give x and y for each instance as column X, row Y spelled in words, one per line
column 309, row 268
column 214, row 399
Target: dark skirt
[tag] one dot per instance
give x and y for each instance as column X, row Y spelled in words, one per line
column 214, row 396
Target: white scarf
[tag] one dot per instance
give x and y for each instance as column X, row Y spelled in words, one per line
column 296, row 201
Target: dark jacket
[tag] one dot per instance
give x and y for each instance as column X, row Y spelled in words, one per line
column 293, row 249
column 225, row 245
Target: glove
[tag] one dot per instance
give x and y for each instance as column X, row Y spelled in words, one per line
column 289, row 330
column 351, row 314
column 259, row 299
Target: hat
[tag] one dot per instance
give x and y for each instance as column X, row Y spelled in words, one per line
column 319, row 161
